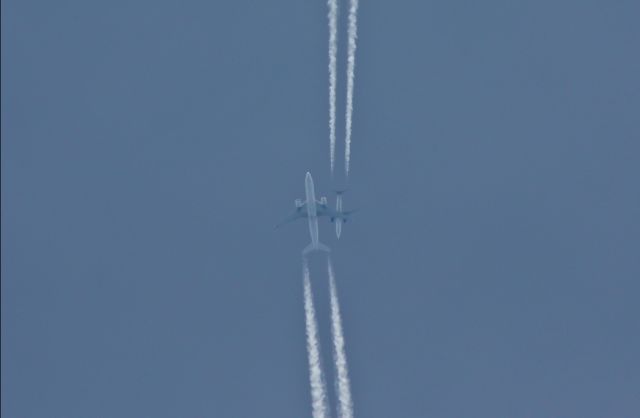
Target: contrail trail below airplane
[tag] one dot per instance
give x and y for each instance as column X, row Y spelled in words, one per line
column 312, row 209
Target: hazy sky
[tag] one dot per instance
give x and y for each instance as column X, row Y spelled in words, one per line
column 148, row 148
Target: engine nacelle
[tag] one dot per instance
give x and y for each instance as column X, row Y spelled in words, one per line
column 298, row 203
column 323, row 200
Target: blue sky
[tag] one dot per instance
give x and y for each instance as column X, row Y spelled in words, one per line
column 148, row 148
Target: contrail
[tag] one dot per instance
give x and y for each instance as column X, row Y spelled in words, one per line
column 351, row 67
column 316, row 379
column 333, row 52
column 345, row 409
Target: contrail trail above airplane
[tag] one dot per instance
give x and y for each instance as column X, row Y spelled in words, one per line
column 351, row 67
column 333, row 53
column 316, row 379
column 345, row 409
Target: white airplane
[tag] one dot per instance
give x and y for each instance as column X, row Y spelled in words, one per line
column 341, row 219
column 312, row 209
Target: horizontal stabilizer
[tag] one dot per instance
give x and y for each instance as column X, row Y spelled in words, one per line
column 318, row 247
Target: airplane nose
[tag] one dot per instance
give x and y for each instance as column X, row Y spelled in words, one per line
column 308, row 175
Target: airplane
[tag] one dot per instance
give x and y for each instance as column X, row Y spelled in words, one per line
column 339, row 216
column 312, row 209
column 339, row 220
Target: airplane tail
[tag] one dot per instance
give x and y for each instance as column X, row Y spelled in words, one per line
column 319, row 247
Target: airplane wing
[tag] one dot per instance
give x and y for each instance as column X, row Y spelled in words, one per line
column 324, row 210
column 300, row 212
column 332, row 214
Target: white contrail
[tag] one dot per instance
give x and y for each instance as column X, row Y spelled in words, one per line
column 316, row 379
column 345, row 409
column 333, row 53
column 351, row 67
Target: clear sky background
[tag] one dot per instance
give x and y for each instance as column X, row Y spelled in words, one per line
column 148, row 148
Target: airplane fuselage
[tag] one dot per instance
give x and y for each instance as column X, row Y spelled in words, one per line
column 338, row 221
column 312, row 214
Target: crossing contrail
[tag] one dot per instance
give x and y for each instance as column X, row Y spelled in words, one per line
column 351, row 67
column 333, row 52
column 316, row 379
column 345, row 408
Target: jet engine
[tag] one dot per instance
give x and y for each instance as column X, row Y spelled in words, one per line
column 298, row 203
column 323, row 200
